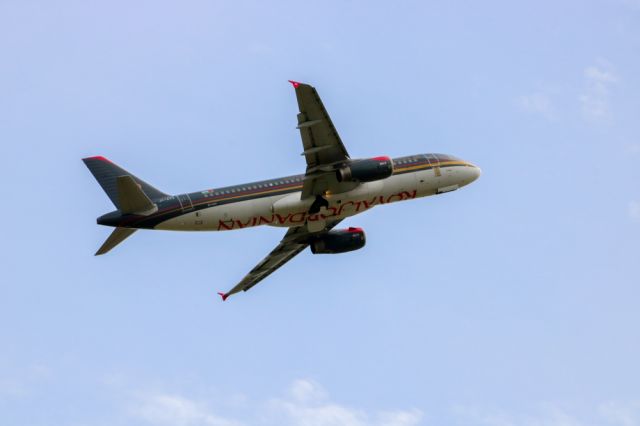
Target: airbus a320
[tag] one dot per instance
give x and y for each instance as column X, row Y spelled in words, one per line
column 310, row 205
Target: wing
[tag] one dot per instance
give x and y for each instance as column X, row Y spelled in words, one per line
column 323, row 148
column 295, row 240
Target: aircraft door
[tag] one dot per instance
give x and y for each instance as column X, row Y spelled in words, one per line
column 435, row 164
column 429, row 180
column 185, row 202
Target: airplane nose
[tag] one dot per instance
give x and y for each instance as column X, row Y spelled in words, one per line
column 478, row 172
column 474, row 172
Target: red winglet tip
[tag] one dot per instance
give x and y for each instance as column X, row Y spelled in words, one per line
column 99, row 157
column 295, row 83
column 223, row 295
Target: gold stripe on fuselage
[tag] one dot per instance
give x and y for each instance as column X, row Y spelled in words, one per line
column 430, row 166
column 299, row 187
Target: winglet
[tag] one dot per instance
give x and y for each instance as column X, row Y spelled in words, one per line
column 295, row 83
column 223, row 295
column 99, row 158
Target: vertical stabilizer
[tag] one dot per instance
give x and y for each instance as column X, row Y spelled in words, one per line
column 107, row 174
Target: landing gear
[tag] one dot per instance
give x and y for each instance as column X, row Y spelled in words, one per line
column 317, row 223
column 318, row 204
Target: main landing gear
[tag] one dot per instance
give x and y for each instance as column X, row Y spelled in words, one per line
column 318, row 203
column 318, row 223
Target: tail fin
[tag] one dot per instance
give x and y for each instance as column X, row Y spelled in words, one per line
column 107, row 174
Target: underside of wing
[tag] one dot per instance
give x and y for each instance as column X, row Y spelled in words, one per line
column 295, row 240
column 321, row 142
column 324, row 151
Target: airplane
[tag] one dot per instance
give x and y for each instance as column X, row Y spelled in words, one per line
column 333, row 187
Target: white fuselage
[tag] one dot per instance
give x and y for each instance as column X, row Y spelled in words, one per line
column 289, row 210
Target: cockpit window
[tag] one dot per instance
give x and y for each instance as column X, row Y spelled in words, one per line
column 445, row 157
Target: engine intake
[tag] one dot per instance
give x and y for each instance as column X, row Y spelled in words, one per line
column 367, row 170
column 339, row 241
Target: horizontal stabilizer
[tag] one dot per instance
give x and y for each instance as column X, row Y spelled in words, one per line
column 131, row 198
column 117, row 236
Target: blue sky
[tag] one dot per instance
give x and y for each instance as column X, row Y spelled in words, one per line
column 513, row 301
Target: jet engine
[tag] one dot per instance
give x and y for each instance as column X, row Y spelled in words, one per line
column 339, row 241
column 366, row 170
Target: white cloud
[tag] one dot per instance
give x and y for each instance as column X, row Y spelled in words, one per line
column 326, row 414
column 634, row 210
column 548, row 416
column 307, row 391
column 613, row 413
column 621, row 414
column 175, row 410
column 400, row 418
column 308, row 404
column 537, row 103
column 595, row 99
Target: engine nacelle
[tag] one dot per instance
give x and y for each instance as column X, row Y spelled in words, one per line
column 339, row 241
column 366, row 170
